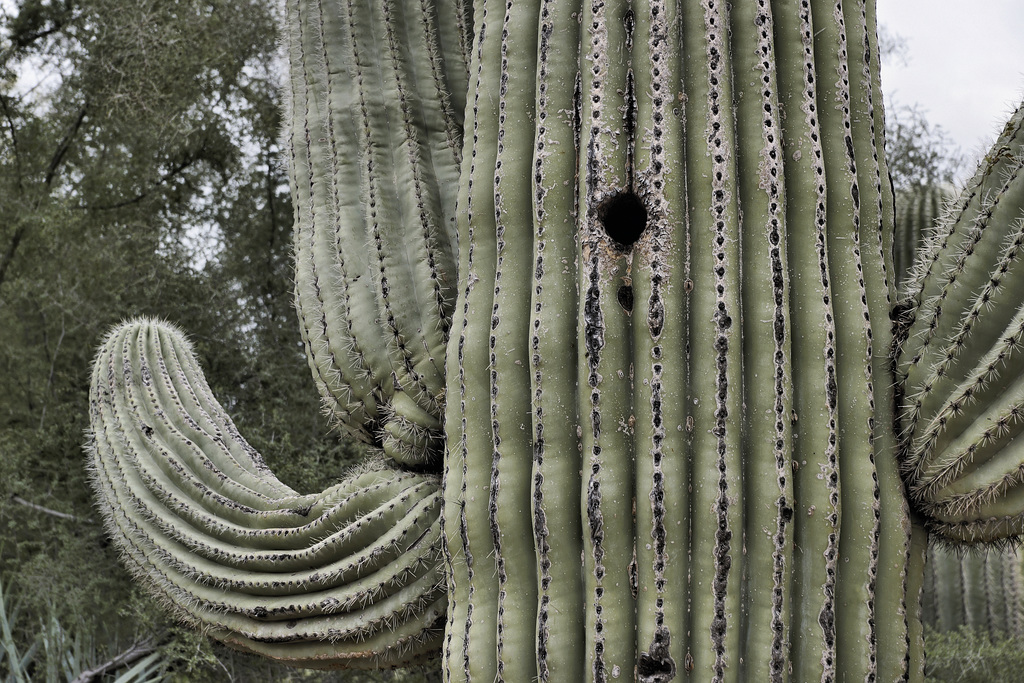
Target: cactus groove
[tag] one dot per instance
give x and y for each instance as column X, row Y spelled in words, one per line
column 739, row 513
column 620, row 271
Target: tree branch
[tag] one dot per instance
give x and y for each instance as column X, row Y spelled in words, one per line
column 176, row 171
column 8, row 256
column 62, row 148
column 134, row 653
column 39, row 508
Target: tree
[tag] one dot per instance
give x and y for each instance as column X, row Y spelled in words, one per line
column 140, row 173
column 668, row 354
column 919, row 153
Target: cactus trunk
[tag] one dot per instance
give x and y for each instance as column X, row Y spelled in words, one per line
column 627, row 265
column 705, row 202
column 980, row 590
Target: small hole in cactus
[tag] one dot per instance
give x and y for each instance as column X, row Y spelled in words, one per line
column 624, row 218
column 625, row 297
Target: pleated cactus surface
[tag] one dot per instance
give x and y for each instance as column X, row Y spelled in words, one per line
column 959, row 351
column 980, row 590
column 607, row 284
column 918, row 210
column 668, row 354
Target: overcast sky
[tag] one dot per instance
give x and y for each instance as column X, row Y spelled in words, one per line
column 965, row 63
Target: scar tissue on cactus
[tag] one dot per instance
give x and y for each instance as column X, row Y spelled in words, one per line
column 621, row 271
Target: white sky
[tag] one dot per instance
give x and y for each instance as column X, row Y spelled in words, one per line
column 965, row 63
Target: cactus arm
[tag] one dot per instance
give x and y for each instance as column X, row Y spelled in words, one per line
column 557, row 461
column 350, row 576
column 376, row 148
column 333, row 289
column 960, row 357
column 209, row 529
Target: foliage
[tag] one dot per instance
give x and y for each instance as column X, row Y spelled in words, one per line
column 140, row 173
column 919, row 153
column 969, row 656
column 54, row 653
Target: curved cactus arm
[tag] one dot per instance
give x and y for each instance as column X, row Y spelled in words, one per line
column 960, row 357
column 376, row 112
column 350, row 576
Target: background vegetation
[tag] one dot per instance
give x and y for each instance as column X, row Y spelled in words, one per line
column 141, row 174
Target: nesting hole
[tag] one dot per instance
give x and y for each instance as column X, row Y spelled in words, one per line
column 623, row 217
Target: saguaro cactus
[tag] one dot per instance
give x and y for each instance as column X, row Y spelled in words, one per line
column 917, row 211
column 978, row 590
column 655, row 238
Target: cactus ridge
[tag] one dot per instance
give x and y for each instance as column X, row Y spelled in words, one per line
column 376, row 146
column 668, row 215
column 959, row 359
column 207, row 527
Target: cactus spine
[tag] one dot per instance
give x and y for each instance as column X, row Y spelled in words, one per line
column 917, row 211
column 664, row 350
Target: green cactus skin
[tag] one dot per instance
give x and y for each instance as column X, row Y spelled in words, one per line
column 981, row 590
column 642, row 306
column 376, row 115
column 348, row 577
column 739, row 514
column 959, row 358
column 917, row 211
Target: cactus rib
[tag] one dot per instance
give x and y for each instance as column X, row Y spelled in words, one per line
column 208, row 528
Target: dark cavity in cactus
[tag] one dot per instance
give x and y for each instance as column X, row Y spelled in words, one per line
column 635, row 257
